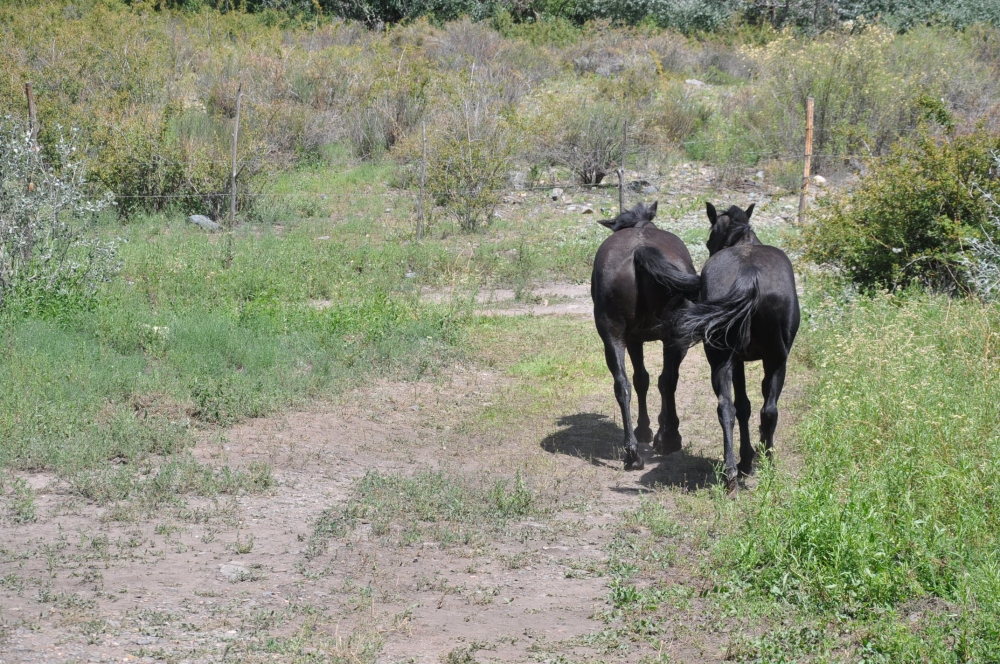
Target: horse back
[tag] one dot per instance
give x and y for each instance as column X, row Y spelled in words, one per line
column 776, row 317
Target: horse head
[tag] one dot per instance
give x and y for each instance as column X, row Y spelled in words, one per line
column 639, row 216
column 730, row 228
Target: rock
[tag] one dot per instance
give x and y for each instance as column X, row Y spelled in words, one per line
column 204, row 222
column 555, row 194
column 234, row 571
column 759, row 175
column 696, row 83
column 820, row 180
column 582, row 209
column 642, row 186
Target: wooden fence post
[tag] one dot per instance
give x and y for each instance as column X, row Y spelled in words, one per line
column 808, row 160
column 228, row 258
column 232, row 178
column 423, row 175
column 621, row 169
column 32, row 116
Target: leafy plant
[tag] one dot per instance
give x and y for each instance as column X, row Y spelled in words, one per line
column 471, row 151
column 910, row 218
column 982, row 260
column 47, row 249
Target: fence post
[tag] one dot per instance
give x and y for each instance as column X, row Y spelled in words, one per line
column 228, row 259
column 621, row 169
column 808, row 160
column 232, row 178
column 423, row 175
column 32, row 116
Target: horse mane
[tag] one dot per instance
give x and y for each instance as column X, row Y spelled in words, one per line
column 739, row 228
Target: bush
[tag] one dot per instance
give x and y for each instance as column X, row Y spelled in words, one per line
column 588, row 139
column 910, row 218
column 388, row 105
column 982, row 261
column 46, row 248
column 470, row 153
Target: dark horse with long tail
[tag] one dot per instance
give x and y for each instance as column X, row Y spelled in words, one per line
column 642, row 276
column 748, row 311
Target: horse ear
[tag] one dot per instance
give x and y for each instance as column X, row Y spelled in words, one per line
column 750, row 210
column 712, row 214
column 652, row 209
column 610, row 223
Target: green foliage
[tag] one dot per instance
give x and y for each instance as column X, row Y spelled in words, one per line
column 895, row 506
column 48, row 250
column 470, row 153
column 20, row 500
column 911, row 216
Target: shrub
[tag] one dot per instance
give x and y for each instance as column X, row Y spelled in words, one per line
column 588, row 139
column 388, row 105
column 911, row 216
column 470, row 153
column 982, row 261
column 46, row 248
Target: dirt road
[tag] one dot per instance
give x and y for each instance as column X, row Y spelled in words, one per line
column 289, row 575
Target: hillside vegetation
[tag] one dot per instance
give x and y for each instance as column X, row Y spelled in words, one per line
column 131, row 334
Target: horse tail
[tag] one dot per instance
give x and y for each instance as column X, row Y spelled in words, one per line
column 651, row 261
column 715, row 321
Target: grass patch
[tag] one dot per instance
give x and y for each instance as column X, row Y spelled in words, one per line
column 890, row 529
column 429, row 506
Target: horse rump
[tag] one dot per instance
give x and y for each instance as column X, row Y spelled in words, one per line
column 723, row 322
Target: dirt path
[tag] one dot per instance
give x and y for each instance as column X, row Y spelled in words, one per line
column 246, row 578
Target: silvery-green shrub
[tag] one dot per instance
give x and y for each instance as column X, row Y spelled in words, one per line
column 47, row 246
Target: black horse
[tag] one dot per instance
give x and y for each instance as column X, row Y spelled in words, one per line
column 642, row 276
column 748, row 311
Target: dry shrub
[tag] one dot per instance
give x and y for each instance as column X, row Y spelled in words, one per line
column 587, row 137
column 712, row 61
column 471, row 149
column 676, row 113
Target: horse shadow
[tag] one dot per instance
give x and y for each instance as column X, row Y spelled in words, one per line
column 596, row 438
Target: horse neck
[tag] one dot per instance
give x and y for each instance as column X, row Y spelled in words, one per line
column 743, row 235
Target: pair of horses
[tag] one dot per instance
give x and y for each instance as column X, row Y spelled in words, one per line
column 743, row 307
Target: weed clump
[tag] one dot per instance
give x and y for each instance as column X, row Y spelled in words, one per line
column 446, row 508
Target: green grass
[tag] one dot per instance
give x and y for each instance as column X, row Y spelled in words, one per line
column 891, row 527
column 180, row 341
column 430, row 505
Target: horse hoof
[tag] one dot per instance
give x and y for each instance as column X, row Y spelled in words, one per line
column 732, row 487
column 667, row 444
column 746, row 469
column 635, row 464
column 644, row 435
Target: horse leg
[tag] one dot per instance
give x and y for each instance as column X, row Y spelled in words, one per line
column 640, row 379
column 743, row 417
column 668, row 436
column 614, row 355
column 774, row 380
column 722, row 383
